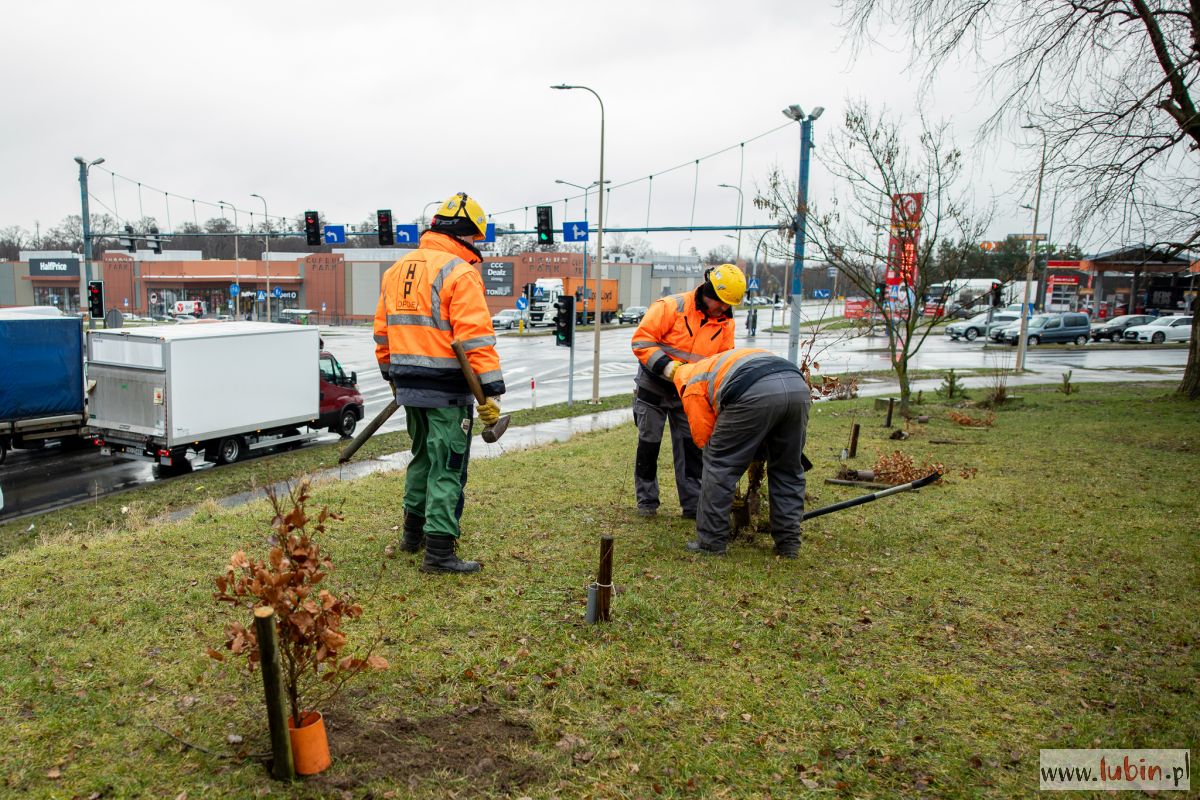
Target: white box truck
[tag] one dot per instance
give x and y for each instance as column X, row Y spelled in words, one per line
column 218, row 390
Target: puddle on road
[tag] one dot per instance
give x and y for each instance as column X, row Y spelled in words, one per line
column 515, row 439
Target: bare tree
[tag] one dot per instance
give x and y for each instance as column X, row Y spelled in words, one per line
column 1110, row 84
column 872, row 163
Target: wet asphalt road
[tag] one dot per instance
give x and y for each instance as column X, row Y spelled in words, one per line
column 537, row 374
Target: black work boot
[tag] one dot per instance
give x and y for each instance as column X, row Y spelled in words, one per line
column 414, row 533
column 440, row 557
column 707, row 549
column 788, row 545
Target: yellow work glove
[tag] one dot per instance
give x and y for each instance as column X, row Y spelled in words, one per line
column 669, row 372
column 489, row 412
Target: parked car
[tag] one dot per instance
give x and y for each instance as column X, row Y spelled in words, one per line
column 978, row 325
column 1114, row 329
column 632, row 315
column 185, row 318
column 1163, row 329
column 1050, row 328
column 507, row 318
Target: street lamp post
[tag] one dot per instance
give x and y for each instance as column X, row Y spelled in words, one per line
column 267, row 223
column 84, row 166
column 599, row 247
column 794, row 112
column 679, row 249
column 1019, row 366
column 237, row 264
column 741, row 202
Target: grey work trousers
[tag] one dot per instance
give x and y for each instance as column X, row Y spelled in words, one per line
column 773, row 414
column 651, row 416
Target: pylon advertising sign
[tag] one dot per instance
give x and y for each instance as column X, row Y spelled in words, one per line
column 904, row 239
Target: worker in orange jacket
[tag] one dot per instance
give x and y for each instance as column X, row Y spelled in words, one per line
column 677, row 328
column 741, row 403
column 428, row 299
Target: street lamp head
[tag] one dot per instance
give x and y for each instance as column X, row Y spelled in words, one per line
column 794, row 112
column 97, row 161
column 817, row 112
column 562, row 86
column 78, row 159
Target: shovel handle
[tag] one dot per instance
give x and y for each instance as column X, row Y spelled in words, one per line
column 468, row 373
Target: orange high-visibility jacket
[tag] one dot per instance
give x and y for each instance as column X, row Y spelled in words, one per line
column 675, row 328
column 428, row 299
column 702, row 385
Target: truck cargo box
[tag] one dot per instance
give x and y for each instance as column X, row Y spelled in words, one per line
column 41, row 366
column 176, row 384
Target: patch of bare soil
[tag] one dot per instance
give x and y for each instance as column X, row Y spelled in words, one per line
column 471, row 750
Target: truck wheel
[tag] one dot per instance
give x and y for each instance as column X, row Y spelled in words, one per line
column 347, row 422
column 229, row 450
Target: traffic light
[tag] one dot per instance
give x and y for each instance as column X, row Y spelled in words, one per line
column 564, row 320
column 312, row 229
column 96, row 299
column 153, row 239
column 127, row 241
column 995, row 295
column 545, row 225
column 880, row 290
column 387, row 234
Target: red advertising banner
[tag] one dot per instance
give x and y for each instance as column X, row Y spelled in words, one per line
column 904, row 239
column 1063, row 280
column 857, row 308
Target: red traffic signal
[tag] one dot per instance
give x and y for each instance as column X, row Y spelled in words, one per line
column 312, row 229
column 387, row 233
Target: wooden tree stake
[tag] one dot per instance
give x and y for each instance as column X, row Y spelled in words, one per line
column 891, row 407
column 282, row 766
column 604, row 578
column 854, row 441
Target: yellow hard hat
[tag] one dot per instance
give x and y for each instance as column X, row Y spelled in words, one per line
column 464, row 207
column 729, row 283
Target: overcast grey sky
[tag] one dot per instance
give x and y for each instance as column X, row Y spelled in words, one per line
column 354, row 106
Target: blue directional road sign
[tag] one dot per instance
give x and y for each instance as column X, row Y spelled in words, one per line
column 234, row 289
column 277, row 292
column 820, row 294
column 490, row 233
column 335, row 234
column 262, row 295
column 538, row 291
column 522, row 303
column 407, row 234
column 752, row 285
column 575, row 232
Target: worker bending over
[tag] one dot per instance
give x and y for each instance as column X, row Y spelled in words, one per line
column 677, row 328
column 737, row 402
column 428, row 299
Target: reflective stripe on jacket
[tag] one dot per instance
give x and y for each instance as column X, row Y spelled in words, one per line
column 675, row 328
column 702, row 385
column 428, row 299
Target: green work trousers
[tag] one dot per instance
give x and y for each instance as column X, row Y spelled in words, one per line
column 437, row 474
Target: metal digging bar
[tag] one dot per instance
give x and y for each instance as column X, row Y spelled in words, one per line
column 867, row 498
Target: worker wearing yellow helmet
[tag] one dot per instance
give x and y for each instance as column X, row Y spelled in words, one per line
column 428, row 299
column 681, row 328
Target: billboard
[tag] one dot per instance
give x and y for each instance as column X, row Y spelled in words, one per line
column 54, row 267
column 497, row 278
column 904, row 239
column 677, row 270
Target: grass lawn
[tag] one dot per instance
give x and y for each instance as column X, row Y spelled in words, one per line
column 923, row 645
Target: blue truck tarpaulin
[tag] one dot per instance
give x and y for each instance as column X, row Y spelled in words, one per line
column 41, row 367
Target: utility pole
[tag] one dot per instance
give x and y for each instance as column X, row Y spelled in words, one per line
column 1019, row 366
column 84, row 166
column 794, row 112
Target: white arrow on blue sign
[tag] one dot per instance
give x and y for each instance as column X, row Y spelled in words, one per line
column 575, row 232
column 335, row 234
column 277, row 292
column 522, row 303
column 406, row 233
column 820, row 294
